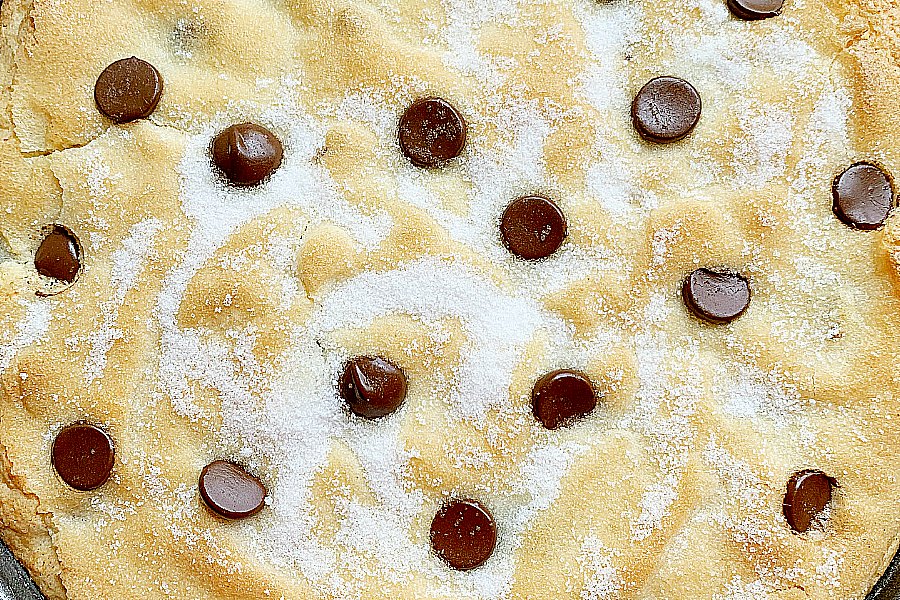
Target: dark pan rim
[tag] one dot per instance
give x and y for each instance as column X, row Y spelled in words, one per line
column 888, row 585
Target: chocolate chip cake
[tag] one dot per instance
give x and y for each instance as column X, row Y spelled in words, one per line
column 474, row 300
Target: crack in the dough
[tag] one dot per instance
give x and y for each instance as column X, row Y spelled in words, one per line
column 76, row 146
column 306, row 293
column 16, row 485
column 40, row 153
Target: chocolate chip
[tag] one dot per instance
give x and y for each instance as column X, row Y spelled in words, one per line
column 246, row 153
column 431, row 132
column 666, row 109
column 230, row 491
column 83, row 455
column 127, row 90
column 717, row 296
column 59, row 255
column 372, row 386
column 754, row 10
column 808, row 493
column 560, row 397
column 863, row 196
column 533, row 227
column 463, row 533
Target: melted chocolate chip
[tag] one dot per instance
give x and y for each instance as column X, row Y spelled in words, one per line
column 716, row 296
column 533, row 227
column 463, row 533
column 246, row 153
column 666, row 109
column 83, row 455
column 560, row 397
column 863, row 196
column 431, row 132
column 754, row 10
column 372, row 386
column 59, row 255
column 127, row 90
column 808, row 493
column 230, row 491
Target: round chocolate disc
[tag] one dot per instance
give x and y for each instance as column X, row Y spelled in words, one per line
column 230, row 491
column 127, row 90
column 372, row 386
column 246, row 153
column 59, row 255
column 863, row 196
column 431, row 132
column 560, row 397
column 808, row 493
column 754, row 10
column 666, row 109
column 533, row 227
column 716, row 296
column 83, row 455
column 464, row 534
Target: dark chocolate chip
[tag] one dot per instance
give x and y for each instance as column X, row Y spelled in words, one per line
column 717, row 296
column 863, row 196
column 754, row 10
column 229, row 491
column 464, row 534
column 666, row 109
column 246, row 153
column 83, row 455
column 372, row 386
column 127, row 90
column 533, row 227
column 560, row 397
column 431, row 132
column 59, row 255
column 808, row 493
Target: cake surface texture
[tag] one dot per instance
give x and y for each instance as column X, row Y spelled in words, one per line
column 450, row 299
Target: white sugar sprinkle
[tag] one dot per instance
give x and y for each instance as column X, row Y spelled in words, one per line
column 29, row 330
column 285, row 420
column 497, row 324
column 127, row 263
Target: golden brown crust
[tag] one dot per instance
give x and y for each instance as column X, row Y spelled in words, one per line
column 873, row 28
column 185, row 362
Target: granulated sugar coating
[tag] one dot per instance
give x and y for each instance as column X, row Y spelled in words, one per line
column 214, row 312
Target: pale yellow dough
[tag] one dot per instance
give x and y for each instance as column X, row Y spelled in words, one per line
column 194, row 336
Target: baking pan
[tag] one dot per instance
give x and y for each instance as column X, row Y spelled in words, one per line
column 14, row 581
column 888, row 587
column 16, row 585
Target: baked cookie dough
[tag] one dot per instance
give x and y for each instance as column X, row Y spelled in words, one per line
column 506, row 299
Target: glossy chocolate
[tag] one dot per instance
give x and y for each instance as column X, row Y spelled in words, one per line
column 863, row 196
column 560, row 397
column 754, row 10
column 716, row 296
column 533, row 227
column 230, row 491
column 128, row 89
column 431, row 132
column 59, row 255
column 83, row 455
column 246, row 153
column 372, row 386
column 666, row 110
column 808, row 494
column 463, row 534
